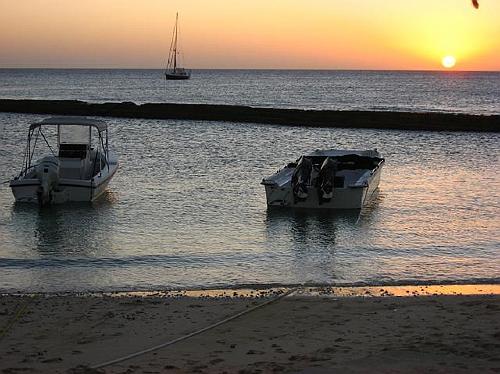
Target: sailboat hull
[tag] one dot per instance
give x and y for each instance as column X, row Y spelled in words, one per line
column 173, row 76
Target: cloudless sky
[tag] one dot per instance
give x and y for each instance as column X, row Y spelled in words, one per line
column 294, row 34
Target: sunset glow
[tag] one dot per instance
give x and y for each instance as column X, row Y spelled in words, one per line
column 319, row 34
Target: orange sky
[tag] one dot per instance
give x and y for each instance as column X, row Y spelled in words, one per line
column 311, row 34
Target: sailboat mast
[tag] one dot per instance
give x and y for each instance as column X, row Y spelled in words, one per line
column 175, row 41
column 172, row 72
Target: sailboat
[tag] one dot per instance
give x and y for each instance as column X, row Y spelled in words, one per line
column 173, row 71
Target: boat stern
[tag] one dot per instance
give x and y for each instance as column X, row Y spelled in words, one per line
column 25, row 190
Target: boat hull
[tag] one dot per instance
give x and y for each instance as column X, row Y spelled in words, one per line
column 68, row 190
column 350, row 197
column 177, row 77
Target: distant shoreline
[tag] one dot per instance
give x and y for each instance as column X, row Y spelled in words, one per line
column 428, row 121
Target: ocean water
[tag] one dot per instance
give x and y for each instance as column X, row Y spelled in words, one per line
column 456, row 92
column 186, row 210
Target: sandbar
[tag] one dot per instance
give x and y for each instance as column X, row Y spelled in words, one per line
column 237, row 114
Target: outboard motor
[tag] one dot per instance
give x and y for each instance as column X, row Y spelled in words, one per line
column 326, row 180
column 47, row 172
column 301, row 179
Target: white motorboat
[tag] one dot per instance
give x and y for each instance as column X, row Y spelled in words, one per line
column 79, row 169
column 330, row 179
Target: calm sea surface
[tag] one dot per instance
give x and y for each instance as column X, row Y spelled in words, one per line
column 186, row 208
column 461, row 92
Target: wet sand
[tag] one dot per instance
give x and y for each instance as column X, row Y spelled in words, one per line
column 436, row 329
column 236, row 113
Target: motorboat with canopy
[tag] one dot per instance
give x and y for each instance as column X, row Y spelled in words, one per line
column 78, row 168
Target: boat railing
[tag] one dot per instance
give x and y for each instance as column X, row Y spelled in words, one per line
column 379, row 164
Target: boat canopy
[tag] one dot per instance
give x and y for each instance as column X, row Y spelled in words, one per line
column 71, row 121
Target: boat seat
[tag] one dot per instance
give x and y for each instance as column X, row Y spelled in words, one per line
column 350, row 176
column 71, row 168
column 338, row 182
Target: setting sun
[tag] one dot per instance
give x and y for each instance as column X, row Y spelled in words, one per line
column 449, row 61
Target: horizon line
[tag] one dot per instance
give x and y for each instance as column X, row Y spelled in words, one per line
column 261, row 69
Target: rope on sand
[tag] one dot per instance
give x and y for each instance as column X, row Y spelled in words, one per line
column 177, row 340
column 20, row 312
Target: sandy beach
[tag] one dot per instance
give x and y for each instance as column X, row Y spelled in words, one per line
column 317, row 330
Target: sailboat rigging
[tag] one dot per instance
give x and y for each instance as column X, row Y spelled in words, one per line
column 173, row 70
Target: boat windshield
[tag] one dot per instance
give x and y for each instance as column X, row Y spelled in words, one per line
column 74, row 134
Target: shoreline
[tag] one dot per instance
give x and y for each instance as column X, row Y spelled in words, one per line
column 315, row 330
column 347, row 291
column 428, row 121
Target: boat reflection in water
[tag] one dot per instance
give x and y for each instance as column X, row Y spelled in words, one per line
column 304, row 225
column 320, row 242
column 74, row 243
column 62, row 228
column 310, row 239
